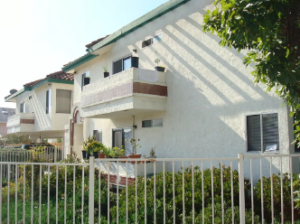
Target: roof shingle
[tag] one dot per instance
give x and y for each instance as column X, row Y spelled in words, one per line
column 56, row 75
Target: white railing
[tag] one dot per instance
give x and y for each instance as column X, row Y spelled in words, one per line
column 246, row 189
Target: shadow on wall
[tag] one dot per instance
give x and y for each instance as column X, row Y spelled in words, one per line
column 42, row 120
column 217, row 84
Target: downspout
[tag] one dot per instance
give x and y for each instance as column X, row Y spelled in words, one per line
column 133, row 126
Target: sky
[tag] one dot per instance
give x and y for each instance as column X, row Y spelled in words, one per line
column 37, row 37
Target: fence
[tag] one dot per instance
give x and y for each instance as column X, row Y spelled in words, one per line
column 245, row 189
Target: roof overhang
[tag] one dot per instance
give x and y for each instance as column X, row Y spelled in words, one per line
column 145, row 19
column 12, row 97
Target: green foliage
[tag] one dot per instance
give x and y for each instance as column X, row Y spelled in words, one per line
column 270, row 32
column 95, row 146
column 89, row 140
column 14, row 139
column 286, row 186
column 116, row 152
column 178, row 179
column 218, row 215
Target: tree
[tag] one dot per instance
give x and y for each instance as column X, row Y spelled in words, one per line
column 270, row 31
column 14, row 139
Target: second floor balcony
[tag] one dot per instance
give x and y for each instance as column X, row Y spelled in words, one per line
column 21, row 123
column 129, row 92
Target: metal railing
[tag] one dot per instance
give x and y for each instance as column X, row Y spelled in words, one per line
column 246, row 189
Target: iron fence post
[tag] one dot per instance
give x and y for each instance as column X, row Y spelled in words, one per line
column 242, row 188
column 91, row 188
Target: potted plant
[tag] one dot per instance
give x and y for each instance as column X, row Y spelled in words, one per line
column 159, row 67
column 152, row 153
column 101, row 154
column 85, row 154
column 94, row 148
column 106, row 73
column 135, row 146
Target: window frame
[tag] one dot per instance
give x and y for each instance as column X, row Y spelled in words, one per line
column 261, row 132
column 119, row 59
column 152, row 123
column 113, row 137
column 22, row 108
column 70, row 101
column 96, row 132
column 83, row 76
column 48, row 101
column 151, row 38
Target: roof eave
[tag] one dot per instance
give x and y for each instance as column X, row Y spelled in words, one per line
column 145, row 19
column 78, row 62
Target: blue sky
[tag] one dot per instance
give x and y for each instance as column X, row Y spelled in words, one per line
column 39, row 36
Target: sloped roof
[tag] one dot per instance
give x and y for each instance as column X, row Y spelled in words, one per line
column 5, row 113
column 56, row 75
column 95, row 41
column 59, row 77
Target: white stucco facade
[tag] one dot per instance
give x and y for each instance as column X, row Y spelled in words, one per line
column 34, row 121
column 210, row 91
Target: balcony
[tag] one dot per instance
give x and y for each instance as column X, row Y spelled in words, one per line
column 21, row 123
column 130, row 92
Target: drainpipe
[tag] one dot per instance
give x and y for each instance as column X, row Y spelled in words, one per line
column 133, row 126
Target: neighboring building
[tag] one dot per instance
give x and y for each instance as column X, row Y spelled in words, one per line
column 43, row 107
column 204, row 105
column 4, row 114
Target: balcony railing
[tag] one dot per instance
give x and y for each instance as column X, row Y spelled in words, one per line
column 128, row 90
column 23, row 122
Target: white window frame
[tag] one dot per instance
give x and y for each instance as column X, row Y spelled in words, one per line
column 152, row 40
column 22, row 108
column 261, row 123
column 152, row 123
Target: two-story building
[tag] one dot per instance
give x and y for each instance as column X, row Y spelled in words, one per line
column 204, row 104
column 43, row 107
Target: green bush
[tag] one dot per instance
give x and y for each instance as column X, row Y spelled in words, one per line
column 178, row 194
column 276, row 197
column 218, row 215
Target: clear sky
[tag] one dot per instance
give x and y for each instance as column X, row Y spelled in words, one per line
column 37, row 37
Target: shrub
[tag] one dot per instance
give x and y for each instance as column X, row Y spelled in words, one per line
column 276, row 197
column 178, row 194
column 218, row 215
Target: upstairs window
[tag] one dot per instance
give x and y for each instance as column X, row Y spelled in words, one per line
column 152, row 123
column 48, row 101
column 262, row 132
column 22, row 108
column 152, row 40
column 85, row 79
column 63, row 101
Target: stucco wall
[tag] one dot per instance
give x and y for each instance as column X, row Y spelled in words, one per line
column 210, row 91
column 37, row 105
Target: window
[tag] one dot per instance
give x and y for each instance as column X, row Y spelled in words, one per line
column 121, row 137
column 98, row 135
column 152, row 40
column 123, row 64
column 262, row 132
column 118, row 139
column 152, row 123
column 63, row 101
column 48, row 101
column 22, row 108
column 85, row 79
